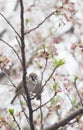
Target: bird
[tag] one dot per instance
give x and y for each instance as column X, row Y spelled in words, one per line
column 34, row 86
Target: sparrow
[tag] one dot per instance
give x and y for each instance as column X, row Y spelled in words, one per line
column 34, row 86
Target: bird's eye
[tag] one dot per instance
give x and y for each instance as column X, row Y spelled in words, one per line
column 33, row 78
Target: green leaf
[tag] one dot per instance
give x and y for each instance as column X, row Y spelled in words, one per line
column 52, row 101
column 44, row 47
column 11, row 111
column 55, row 86
column 21, row 102
column 43, row 40
column 74, row 101
column 38, row 116
column 76, row 77
column 27, row 21
column 59, row 63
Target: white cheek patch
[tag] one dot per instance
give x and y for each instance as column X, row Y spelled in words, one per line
column 35, row 81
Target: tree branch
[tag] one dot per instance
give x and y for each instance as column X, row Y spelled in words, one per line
column 7, row 77
column 65, row 121
column 40, row 23
column 11, row 48
column 24, row 67
column 10, row 24
column 49, row 77
column 42, row 105
column 78, row 93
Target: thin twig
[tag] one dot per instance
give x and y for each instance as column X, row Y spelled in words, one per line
column 6, row 84
column 10, row 24
column 42, row 74
column 11, row 48
column 78, row 93
column 49, row 77
column 16, row 5
column 18, row 41
column 41, row 114
column 40, row 23
column 8, row 77
column 66, row 95
column 23, row 110
column 46, row 81
column 2, row 33
column 16, row 122
column 45, row 103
